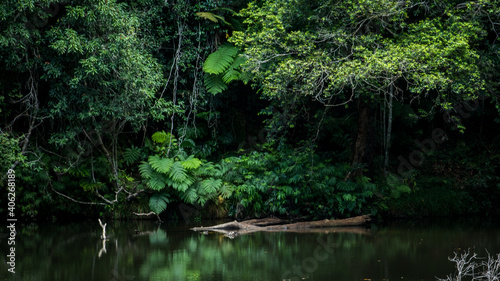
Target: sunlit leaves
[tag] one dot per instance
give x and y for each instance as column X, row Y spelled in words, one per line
column 191, row 163
column 161, row 164
column 220, row 60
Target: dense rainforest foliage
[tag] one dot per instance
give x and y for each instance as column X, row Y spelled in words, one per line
column 231, row 108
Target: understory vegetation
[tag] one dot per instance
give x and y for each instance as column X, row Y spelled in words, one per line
column 299, row 109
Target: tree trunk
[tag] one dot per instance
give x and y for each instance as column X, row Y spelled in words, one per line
column 361, row 141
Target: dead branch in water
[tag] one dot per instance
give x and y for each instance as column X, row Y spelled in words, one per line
column 235, row 228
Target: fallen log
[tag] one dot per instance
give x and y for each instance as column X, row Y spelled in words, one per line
column 235, row 228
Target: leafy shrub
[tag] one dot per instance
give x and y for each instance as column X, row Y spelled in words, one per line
column 170, row 171
column 296, row 182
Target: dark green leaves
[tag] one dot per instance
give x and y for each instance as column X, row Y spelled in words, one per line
column 158, row 202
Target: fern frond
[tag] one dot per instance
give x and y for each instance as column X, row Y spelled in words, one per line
column 231, row 75
column 208, row 16
column 190, row 196
column 218, row 61
column 214, row 84
column 159, row 137
column 182, row 186
column 178, row 173
column 210, row 186
column 160, row 164
column 225, row 191
column 158, row 202
column 156, row 182
column 191, row 163
column 188, row 143
column 163, row 137
column 233, row 72
column 145, row 170
column 132, row 154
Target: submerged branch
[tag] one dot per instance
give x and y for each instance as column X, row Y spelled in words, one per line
column 235, row 228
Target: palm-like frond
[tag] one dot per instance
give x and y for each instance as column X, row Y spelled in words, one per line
column 214, row 84
column 160, row 164
column 209, row 186
column 218, row 61
column 158, row 202
column 163, row 137
column 156, row 182
column 178, row 173
column 145, row 170
column 132, row 154
column 190, row 196
column 225, row 191
column 208, row 16
column 233, row 72
column 191, row 163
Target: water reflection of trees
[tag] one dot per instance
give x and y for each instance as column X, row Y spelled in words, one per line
column 148, row 251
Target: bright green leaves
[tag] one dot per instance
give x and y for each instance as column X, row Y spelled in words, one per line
column 211, row 185
column 99, row 66
column 358, row 48
column 193, row 180
column 191, row 163
column 163, row 138
column 221, row 68
column 68, row 41
column 161, row 164
column 214, row 84
column 220, row 60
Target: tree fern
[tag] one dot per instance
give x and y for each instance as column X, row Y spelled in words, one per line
column 214, row 84
column 233, row 73
column 145, row 170
column 163, row 137
column 191, row 163
column 225, row 191
column 156, row 182
column 132, row 154
column 210, row 186
column 218, row 61
column 178, row 173
column 160, row 164
column 158, row 202
column 190, row 196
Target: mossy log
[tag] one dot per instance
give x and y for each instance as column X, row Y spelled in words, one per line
column 235, row 228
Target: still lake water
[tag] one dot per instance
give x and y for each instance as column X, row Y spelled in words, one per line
column 416, row 250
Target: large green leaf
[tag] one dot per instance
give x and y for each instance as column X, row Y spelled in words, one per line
column 163, row 137
column 157, row 182
column 191, row 163
column 145, row 170
column 158, row 202
column 214, row 84
column 233, row 72
column 178, row 173
column 132, row 154
column 218, row 61
column 211, row 185
column 161, row 164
